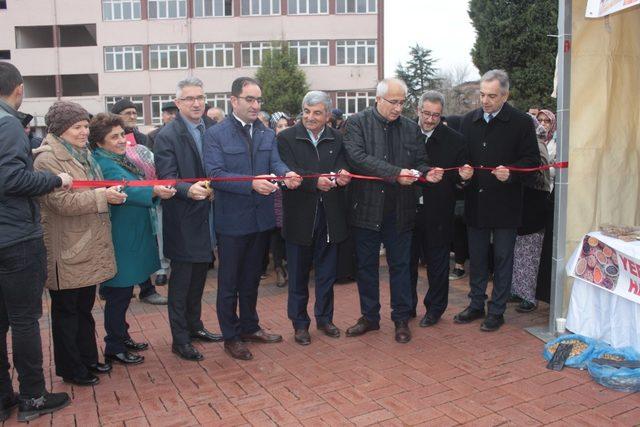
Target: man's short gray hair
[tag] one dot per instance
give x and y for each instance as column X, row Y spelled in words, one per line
column 187, row 82
column 316, row 97
column 383, row 86
column 431, row 96
column 500, row 75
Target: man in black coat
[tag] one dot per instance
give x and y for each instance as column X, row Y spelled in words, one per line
column 314, row 214
column 499, row 137
column 186, row 218
column 445, row 148
column 382, row 143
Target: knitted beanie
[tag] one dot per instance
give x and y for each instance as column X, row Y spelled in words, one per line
column 122, row 105
column 62, row 115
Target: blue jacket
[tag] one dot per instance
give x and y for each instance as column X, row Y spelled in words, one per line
column 238, row 209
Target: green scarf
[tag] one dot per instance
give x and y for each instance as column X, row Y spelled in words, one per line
column 84, row 157
column 122, row 160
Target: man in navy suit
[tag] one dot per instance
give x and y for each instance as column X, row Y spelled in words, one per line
column 242, row 147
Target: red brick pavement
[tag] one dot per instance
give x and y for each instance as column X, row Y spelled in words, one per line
column 447, row 375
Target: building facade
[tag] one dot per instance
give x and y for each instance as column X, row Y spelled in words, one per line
column 96, row 51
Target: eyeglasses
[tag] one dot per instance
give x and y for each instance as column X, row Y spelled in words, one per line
column 396, row 102
column 544, row 120
column 252, row 99
column 192, row 99
column 429, row 114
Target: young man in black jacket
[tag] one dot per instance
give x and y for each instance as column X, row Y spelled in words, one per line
column 498, row 136
column 23, row 258
column 314, row 214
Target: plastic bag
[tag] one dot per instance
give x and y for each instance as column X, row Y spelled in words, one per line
column 578, row 361
column 620, row 379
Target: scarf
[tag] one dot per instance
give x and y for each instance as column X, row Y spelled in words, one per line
column 123, row 161
column 554, row 124
column 82, row 156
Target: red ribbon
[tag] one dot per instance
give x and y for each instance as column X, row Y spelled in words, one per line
column 173, row 182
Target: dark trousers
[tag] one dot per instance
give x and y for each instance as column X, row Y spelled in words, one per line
column 504, row 240
column 186, row 285
column 460, row 240
column 240, row 265
column 325, row 259
column 74, row 331
column 437, row 297
column 146, row 288
column 277, row 247
column 115, row 312
column 398, row 249
column 23, row 271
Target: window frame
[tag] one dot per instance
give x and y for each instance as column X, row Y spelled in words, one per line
column 319, row 45
column 263, row 46
column 158, row 101
column 368, row 96
column 345, row 4
column 112, row 4
column 306, row 3
column 166, row 4
column 214, row 100
column 260, row 7
column 180, row 48
column 196, row 3
column 136, row 50
column 354, row 45
column 204, row 48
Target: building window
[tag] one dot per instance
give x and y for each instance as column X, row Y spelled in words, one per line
column 220, row 100
column 352, row 52
column 353, row 102
column 356, row 6
column 307, row 7
column 260, row 7
column 120, row 10
column 167, row 9
column 214, row 55
column 167, row 56
column 209, row 8
column 157, row 101
column 3, row 4
column 310, row 52
column 110, row 101
column 123, row 58
column 252, row 53
column 5, row 55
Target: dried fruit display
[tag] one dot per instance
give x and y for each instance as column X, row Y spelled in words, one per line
column 598, row 263
column 628, row 234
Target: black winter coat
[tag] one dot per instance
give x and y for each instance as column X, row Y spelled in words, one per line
column 368, row 139
column 185, row 221
column 508, row 140
column 445, row 148
column 299, row 205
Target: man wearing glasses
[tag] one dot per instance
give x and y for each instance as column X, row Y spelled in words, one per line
column 380, row 142
column 188, row 238
column 434, row 219
column 242, row 148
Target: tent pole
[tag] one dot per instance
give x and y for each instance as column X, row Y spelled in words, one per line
column 561, row 186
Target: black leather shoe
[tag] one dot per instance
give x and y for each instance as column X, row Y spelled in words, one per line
column 403, row 333
column 238, row 350
column 100, row 368
column 428, row 320
column 302, row 336
column 526, row 307
column 261, row 336
column 492, row 322
column 330, row 330
column 30, row 409
column 6, row 406
column 362, row 327
column 125, row 358
column 135, row 346
column 86, row 380
column 187, row 352
column 161, row 280
column 468, row 315
column 204, row 335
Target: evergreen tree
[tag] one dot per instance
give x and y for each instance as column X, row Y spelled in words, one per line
column 419, row 74
column 513, row 35
column 283, row 83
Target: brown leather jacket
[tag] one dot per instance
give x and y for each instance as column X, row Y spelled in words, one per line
column 77, row 229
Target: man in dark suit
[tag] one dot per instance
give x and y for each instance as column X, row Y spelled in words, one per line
column 241, row 147
column 445, row 148
column 498, row 136
column 314, row 215
column 186, row 218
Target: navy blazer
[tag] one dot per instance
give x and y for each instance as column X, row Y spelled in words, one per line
column 238, row 209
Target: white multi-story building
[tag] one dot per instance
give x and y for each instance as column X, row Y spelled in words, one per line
column 97, row 51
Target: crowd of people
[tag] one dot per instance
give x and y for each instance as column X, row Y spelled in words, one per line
column 243, row 184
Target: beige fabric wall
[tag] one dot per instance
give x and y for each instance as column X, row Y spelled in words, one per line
column 604, row 146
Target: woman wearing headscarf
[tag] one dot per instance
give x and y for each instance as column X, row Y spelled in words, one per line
column 528, row 247
column 548, row 121
column 78, row 240
column 133, row 234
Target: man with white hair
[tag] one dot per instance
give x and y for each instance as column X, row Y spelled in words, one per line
column 315, row 214
column 186, row 217
column 498, row 136
column 382, row 143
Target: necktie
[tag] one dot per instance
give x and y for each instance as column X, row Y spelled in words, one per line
column 247, row 129
column 200, row 128
column 489, row 117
